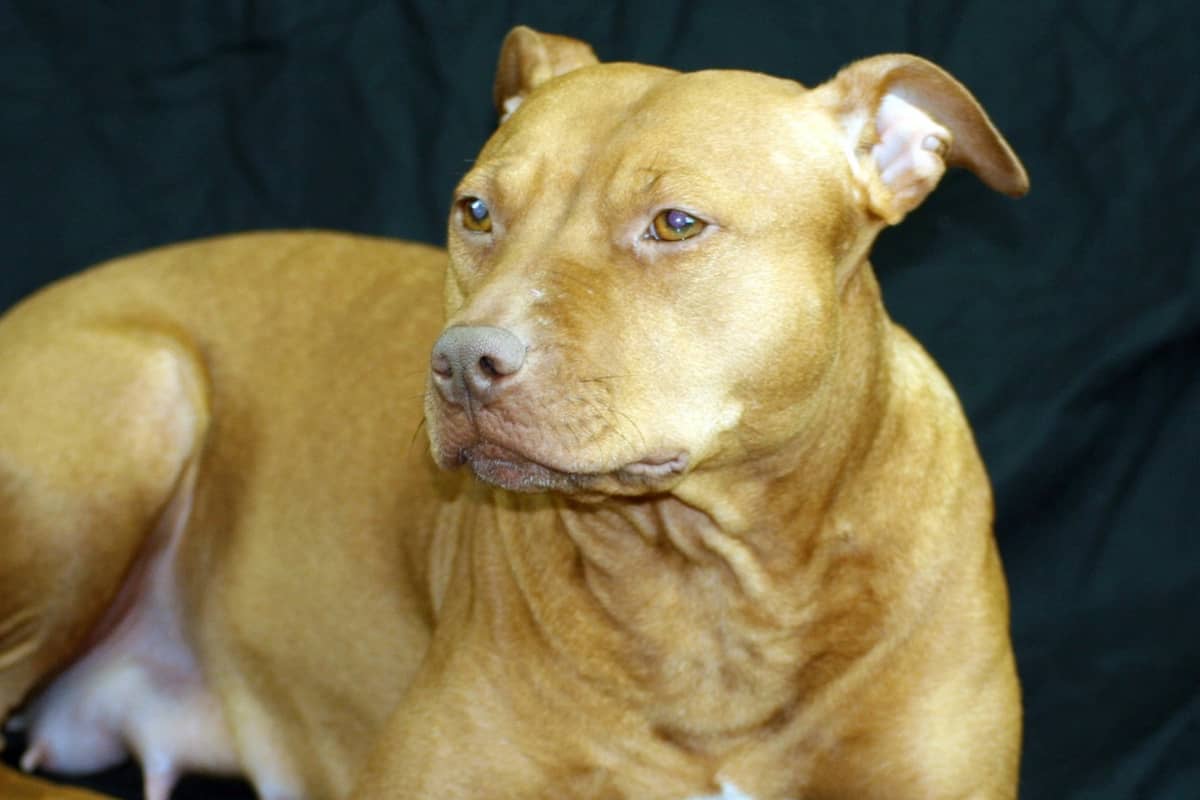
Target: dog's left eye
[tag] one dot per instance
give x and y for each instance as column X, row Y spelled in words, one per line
column 674, row 225
column 475, row 215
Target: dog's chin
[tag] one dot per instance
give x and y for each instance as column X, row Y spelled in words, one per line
column 509, row 469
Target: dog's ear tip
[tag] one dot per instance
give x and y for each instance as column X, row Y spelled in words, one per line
column 1019, row 192
column 1001, row 171
column 1010, row 179
column 1019, row 187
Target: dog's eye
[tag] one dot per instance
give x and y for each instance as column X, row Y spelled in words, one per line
column 674, row 225
column 475, row 215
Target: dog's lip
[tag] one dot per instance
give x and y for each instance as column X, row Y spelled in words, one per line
column 508, row 469
column 658, row 465
column 512, row 469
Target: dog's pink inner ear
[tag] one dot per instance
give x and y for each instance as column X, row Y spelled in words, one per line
column 909, row 154
column 529, row 58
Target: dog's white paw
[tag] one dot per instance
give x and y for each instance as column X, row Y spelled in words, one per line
column 728, row 792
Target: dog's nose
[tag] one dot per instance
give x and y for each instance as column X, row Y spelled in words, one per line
column 475, row 362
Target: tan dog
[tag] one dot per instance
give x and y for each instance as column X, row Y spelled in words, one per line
column 731, row 528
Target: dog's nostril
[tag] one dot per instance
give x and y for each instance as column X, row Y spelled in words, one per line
column 489, row 367
column 441, row 365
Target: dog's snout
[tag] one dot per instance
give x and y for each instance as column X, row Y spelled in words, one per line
column 475, row 362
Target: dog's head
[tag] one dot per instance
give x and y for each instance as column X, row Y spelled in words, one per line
column 648, row 269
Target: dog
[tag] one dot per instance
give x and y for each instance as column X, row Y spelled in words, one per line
column 699, row 520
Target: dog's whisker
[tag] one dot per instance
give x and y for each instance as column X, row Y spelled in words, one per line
column 416, row 433
column 616, row 429
column 636, row 429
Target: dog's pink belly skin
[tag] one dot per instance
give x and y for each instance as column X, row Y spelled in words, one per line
column 139, row 689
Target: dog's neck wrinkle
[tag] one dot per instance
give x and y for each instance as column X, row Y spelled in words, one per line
column 624, row 565
column 712, row 649
column 636, row 602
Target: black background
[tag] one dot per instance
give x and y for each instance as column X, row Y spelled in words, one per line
column 1069, row 321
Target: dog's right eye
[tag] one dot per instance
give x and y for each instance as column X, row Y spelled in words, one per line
column 674, row 225
column 475, row 215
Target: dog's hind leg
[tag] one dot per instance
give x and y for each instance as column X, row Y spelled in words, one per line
column 98, row 422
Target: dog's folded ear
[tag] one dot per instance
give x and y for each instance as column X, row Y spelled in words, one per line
column 528, row 59
column 905, row 121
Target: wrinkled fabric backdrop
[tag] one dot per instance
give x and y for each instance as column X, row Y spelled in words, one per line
column 1069, row 321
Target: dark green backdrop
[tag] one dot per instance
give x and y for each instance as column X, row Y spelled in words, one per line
column 1070, row 321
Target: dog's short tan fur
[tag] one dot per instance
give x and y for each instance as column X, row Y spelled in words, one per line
column 737, row 531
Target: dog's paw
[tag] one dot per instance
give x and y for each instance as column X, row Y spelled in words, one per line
column 728, row 792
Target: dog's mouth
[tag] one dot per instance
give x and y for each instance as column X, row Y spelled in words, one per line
column 509, row 469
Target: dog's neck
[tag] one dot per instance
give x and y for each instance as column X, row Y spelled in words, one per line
column 685, row 596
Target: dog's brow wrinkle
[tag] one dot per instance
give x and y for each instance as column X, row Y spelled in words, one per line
column 652, row 181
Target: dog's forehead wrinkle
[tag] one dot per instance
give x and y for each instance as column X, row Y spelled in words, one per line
column 658, row 181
